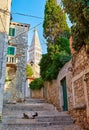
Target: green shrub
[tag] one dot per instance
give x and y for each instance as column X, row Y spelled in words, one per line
column 58, row 62
column 8, row 80
column 29, row 71
column 36, row 84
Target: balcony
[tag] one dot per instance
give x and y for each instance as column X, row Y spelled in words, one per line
column 11, row 61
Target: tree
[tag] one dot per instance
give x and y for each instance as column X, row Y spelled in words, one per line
column 45, row 63
column 54, row 22
column 54, row 60
column 29, row 71
column 78, row 11
column 64, row 45
column 55, row 29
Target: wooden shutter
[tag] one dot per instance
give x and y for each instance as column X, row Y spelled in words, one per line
column 12, row 32
column 11, row 51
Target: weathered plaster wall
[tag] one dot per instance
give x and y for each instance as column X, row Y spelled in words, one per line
column 5, row 15
column 18, row 84
column 65, row 72
column 9, row 90
column 3, row 46
column 4, row 29
column 22, row 42
column 27, row 89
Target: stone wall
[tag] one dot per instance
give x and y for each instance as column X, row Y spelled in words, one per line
column 51, row 93
column 37, row 93
column 53, row 90
column 80, row 88
column 79, row 116
column 76, row 73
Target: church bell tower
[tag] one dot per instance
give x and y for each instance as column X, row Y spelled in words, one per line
column 35, row 54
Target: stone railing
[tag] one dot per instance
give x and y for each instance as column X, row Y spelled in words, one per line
column 11, row 60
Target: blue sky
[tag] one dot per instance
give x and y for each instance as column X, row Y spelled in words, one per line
column 30, row 7
column 34, row 8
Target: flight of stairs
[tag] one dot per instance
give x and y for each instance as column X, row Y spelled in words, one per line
column 48, row 118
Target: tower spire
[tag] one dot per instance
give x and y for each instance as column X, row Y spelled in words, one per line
column 35, row 52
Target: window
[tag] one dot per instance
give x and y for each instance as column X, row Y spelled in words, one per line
column 11, row 31
column 11, row 50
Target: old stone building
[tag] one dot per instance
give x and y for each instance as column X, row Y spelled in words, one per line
column 4, row 29
column 64, row 82
column 59, row 91
column 73, row 83
column 80, row 87
column 16, row 62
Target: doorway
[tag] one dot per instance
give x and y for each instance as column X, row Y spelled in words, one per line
column 64, row 91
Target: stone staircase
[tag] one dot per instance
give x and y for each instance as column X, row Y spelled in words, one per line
column 48, row 118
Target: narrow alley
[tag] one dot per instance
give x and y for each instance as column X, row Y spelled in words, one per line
column 44, row 65
column 48, row 117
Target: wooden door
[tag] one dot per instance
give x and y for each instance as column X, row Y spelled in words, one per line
column 64, row 90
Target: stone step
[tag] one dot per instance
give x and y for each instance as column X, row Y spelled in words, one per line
column 44, row 119
column 34, row 122
column 30, row 107
column 54, row 118
column 40, row 113
column 48, row 117
column 35, row 101
column 27, row 127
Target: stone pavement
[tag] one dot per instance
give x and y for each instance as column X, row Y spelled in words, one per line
column 48, row 117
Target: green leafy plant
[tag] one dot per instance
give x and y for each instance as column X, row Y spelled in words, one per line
column 57, row 33
column 29, row 71
column 54, row 22
column 37, row 84
column 78, row 12
column 8, row 80
column 54, row 60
